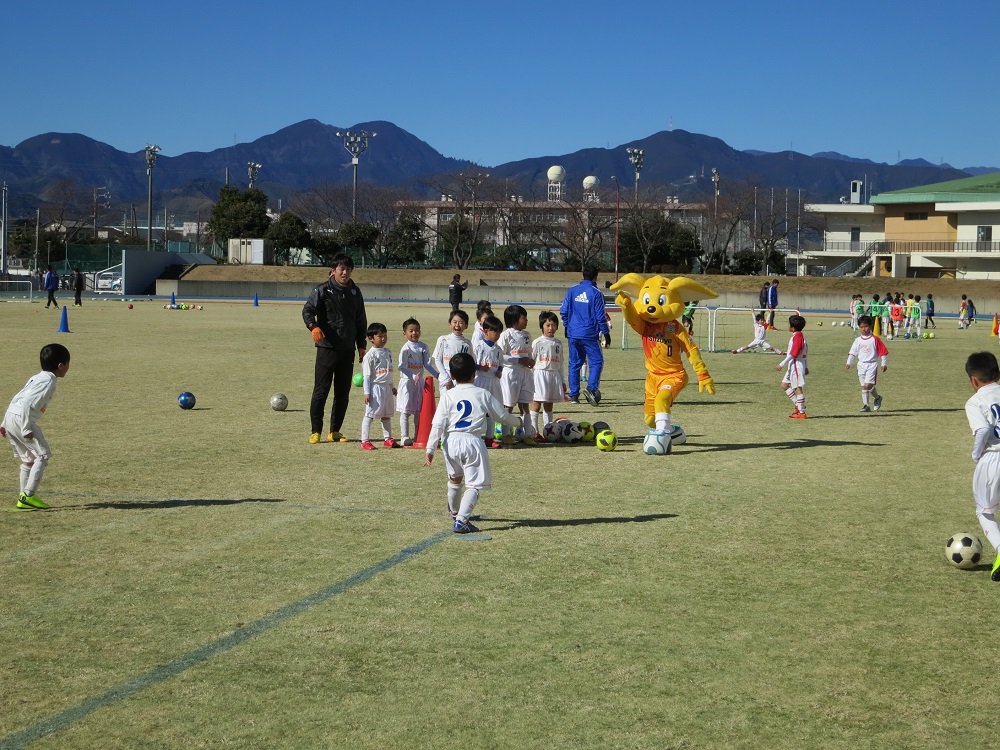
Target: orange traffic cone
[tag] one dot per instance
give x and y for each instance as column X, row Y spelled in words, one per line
column 877, row 328
column 427, row 408
column 996, row 326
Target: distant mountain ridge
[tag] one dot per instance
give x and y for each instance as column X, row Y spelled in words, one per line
column 309, row 153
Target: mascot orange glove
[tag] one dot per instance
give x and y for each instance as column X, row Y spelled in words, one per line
column 317, row 334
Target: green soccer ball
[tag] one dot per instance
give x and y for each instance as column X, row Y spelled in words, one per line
column 930, row 335
column 606, row 440
column 358, row 379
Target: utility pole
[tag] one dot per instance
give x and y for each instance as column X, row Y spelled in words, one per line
column 151, row 152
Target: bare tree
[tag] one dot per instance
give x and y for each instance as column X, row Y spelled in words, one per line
column 463, row 218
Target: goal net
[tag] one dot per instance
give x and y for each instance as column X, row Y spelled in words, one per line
column 17, row 291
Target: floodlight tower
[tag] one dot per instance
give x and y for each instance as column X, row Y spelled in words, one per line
column 356, row 144
column 252, row 170
column 151, row 152
column 635, row 156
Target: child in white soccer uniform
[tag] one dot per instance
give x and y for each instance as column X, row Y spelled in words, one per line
column 376, row 368
column 794, row 382
column 549, row 380
column 414, row 358
column 759, row 338
column 489, row 361
column 868, row 350
column 20, row 423
column 983, row 413
column 451, row 344
column 483, row 310
column 517, row 383
column 462, row 414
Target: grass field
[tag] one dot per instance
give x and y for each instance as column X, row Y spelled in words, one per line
column 208, row 579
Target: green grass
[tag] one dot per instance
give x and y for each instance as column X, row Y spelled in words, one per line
column 772, row 583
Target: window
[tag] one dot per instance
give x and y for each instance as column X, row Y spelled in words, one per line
column 915, row 216
column 984, row 234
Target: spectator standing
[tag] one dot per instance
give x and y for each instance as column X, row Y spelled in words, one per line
column 772, row 304
column 585, row 321
column 763, row 296
column 335, row 315
column 77, row 282
column 455, row 289
column 50, row 283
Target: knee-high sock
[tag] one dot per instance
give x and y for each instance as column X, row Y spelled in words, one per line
column 386, row 428
column 800, row 403
column 366, row 429
column 864, row 396
column 533, row 420
column 35, row 476
column 25, row 473
column 526, row 423
column 988, row 520
column 548, row 416
column 469, row 500
column 404, row 426
column 454, row 493
column 663, row 421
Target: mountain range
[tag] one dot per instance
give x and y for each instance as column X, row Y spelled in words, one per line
column 310, row 153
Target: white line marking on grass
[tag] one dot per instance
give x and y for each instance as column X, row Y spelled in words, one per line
column 116, row 694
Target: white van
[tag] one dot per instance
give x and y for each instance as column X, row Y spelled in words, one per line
column 109, row 282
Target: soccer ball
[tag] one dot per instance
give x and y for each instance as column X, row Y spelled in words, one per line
column 572, row 433
column 279, row 402
column 600, row 427
column 820, row 323
column 358, row 379
column 889, row 336
column 186, row 400
column 606, row 440
column 906, row 335
column 963, row 550
column 553, row 432
column 656, row 443
column 677, row 435
column 588, row 431
column 926, row 335
column 930, row 335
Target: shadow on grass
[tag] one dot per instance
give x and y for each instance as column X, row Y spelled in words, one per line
column 171, row 503
column 884, row 413
column 783, row 445
column 544, row 523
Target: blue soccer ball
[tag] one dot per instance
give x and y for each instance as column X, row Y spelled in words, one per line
column 186, row 400
column 656, row 443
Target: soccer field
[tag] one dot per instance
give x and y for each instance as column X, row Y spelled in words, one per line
column 207, row 578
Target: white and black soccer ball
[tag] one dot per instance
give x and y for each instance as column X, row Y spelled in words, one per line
column 677, row 435
column 553, row 432
column 572, row 432
column 279, row 402
column 964, row 550
column 656, row 443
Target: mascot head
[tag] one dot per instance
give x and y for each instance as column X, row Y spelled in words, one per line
column 657, row 300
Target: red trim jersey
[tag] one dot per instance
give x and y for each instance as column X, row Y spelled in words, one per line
column 867, row 350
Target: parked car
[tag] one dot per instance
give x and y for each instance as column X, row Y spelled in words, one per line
column 109, row 281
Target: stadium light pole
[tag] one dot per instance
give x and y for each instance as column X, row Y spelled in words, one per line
column 618, row 219
column 253, row 169
column 151, row 152
column 635, row 156
column 715, row 219
column 356, row 144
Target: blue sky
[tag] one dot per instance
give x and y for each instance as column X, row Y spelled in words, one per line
column 496, row 82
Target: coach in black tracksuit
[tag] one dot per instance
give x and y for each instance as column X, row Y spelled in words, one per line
column 335, row 314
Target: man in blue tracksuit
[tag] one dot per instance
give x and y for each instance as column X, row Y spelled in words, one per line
column 585, row 321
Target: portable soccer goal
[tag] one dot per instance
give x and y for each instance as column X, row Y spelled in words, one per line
column 15, row 291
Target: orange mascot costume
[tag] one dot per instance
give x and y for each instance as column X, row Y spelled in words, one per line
column 655, row 315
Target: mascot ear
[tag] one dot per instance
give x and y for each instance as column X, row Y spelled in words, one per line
column 689, row 290
column 630, row 285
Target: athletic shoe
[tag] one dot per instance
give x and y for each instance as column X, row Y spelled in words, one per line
column 995, row 575
column 539, row 438
column 408, row 442
column 735, row 351
column 798, row 415
column 574, row 399
column 30, row 502
column 367, row 445
column 464, row 527
column 336, row 437
column 491, row 443
column 508, row 440
column 390, row 443
column 314, row 438
column 878, row 403
column 528, row 440
column 865, row 409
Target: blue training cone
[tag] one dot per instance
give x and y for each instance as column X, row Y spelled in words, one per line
column 256, row 303
column 172, row 300
column 64, row 323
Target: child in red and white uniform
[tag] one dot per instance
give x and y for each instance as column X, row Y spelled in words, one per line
column 868, row 350
column 794, row 382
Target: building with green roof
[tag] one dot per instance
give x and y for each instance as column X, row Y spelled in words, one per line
column 944, row 230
